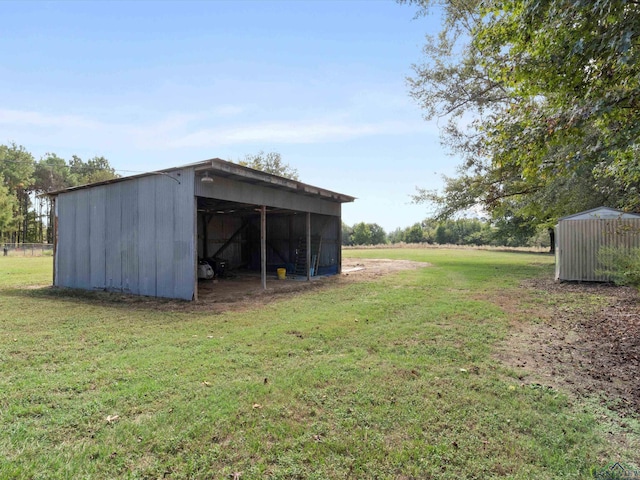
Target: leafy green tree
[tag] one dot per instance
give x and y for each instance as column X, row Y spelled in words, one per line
column 270, row 163
column 7, row 207
column 53, row 173
column 23, row 180
column 414, row 234
column 468, row 231
column 443, row 235
column 368, row 234
column 96, row 169
column 378, row 235
column 361, row 234
column 347, row 232
column 514, row 231
column 16, row 168
column 396, row 236
column 552, row 89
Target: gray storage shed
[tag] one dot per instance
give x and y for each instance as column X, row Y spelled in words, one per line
column 145, row 234
column 580, row 236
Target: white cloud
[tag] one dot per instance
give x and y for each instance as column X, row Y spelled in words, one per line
column 176, row 131
column 36, row 119
column 292, row 132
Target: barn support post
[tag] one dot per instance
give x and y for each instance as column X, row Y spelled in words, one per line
column 308, row 246
column 55, row 236
column 263, row 245
column 338, row 220
column 195, row 246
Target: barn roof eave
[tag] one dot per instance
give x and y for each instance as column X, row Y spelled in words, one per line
column 219, row 167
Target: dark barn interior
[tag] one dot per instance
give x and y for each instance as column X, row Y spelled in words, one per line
column 229, row 240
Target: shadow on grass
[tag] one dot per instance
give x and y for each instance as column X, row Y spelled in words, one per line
column 97, row 297
column 521, row 252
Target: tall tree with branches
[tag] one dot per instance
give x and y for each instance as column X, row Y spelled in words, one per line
column 541, row 99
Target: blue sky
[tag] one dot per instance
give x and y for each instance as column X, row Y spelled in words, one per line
column 151, row 85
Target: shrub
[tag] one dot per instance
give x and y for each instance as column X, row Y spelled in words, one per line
column 621, row 264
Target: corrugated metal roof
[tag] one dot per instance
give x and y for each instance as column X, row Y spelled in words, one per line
column 600, row 213
column 223, row 168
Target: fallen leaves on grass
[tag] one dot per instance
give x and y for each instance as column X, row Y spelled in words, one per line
column 590, row 341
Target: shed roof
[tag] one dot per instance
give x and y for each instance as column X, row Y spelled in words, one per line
column 223, row 168
column 600, row 213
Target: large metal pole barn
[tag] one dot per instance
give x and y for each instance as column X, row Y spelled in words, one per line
column 145, row 234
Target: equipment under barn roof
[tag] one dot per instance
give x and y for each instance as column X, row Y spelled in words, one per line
column 151, row 234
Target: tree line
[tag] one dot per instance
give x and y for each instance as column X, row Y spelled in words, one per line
column 461, row 231
column 25, row 213
column 540, row 100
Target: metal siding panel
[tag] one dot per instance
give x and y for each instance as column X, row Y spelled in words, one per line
column 146, row 205
column 609, row 238
column 164, row 220
column 584, row 240
column 66, row 238
column 129, row 233
column 567, row 251
column 113, row 237
column 184, row 261
column 564, row 251
column 234, row 191
column 600, row 238
column 82, row 229
column 135, row 236
column 61, row 239
column 560, row 247
column 578, row 245
column 55, row 241
column 165, row 217
column 592, row 237
column 580, row 240
column 97, row 242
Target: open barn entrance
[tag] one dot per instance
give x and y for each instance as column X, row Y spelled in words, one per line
column 233, row 256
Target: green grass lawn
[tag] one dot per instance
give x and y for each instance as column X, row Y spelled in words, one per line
column 392, row 378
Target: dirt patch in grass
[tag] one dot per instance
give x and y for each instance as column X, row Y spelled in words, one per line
column 244, row 291
column 585, row 339
column 241, row 291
